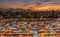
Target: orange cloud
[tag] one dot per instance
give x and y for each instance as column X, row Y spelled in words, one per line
column 39, row 7
column 48, row 7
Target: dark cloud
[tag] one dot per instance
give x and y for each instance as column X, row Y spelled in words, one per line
column 37, row 3
column 27, row 1
column 46, row 0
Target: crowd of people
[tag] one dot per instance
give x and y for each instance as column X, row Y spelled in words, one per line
column 19, row 21
column 23, row 27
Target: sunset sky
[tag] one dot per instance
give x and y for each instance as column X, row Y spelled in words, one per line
column 36, row 4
